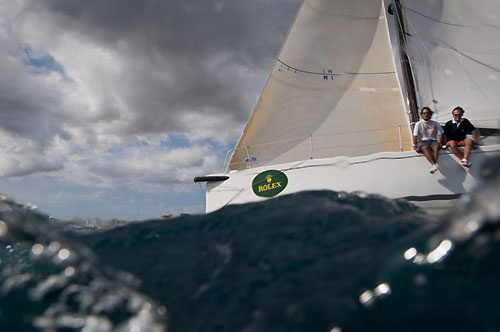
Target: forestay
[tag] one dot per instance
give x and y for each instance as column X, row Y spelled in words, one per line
column 333, row 90
column 454, row 49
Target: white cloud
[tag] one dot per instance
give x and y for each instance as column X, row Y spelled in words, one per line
column 149, row 167
column 21, row 156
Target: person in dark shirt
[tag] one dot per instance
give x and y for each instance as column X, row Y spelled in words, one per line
column 456, row 131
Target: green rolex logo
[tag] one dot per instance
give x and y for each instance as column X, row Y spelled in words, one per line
column 269, row 183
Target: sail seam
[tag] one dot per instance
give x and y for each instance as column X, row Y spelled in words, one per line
column 433, row 19
column 335, row 74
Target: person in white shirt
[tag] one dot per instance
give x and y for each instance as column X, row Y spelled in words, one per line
column 427, row 138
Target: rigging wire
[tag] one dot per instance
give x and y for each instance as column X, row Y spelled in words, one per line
column 439, row 73
column 459, row 54
column 414, row 31
column 406, row 66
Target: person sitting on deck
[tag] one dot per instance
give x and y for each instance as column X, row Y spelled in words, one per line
column 456, row 131
column 427, row 136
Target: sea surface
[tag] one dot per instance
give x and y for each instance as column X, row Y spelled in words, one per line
column 313, row 261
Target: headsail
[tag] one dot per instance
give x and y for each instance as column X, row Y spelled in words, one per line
column 333, row 90
column 454, row 48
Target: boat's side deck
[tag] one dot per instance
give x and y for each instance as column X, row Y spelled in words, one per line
column 392, row 174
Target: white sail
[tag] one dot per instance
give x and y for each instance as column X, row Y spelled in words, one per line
column 333, row 91
column 334, row 97
column 454, row 49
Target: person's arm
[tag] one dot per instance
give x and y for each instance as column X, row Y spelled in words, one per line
column 473, row 131
column 441, row 137
column 475, row 136
column 415, row 138
column 414, row 145
column 443, row 141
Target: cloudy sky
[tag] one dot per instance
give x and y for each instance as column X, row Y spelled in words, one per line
column 109, row 108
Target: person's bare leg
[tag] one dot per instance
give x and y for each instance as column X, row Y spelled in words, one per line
column 455, row 149
column 427, row 153
column 467, row 147
column 435, row 150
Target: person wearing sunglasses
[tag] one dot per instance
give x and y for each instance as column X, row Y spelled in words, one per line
column 456, row 131
column 428, row 138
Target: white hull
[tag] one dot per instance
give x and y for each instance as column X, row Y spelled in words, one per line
column 392, row 174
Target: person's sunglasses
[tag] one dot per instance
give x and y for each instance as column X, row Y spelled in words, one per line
column 457, row 114
column 425, row 113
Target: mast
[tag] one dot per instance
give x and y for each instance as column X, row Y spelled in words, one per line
column 395, row 8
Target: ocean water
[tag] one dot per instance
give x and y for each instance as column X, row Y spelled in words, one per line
column 313, row 261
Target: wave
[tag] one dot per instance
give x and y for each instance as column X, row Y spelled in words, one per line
column 312, row 261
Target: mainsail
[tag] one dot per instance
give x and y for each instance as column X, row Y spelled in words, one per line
column 454, row 48
column 333, row 90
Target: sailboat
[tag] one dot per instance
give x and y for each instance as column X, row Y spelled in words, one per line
column 339, row 105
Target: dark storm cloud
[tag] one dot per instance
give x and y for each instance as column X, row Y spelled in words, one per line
column 82, row 78
column 25, row 107
column 189, row 28
column 179, row 37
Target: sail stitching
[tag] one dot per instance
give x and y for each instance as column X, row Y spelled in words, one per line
column 335, row 74
column 432, row 19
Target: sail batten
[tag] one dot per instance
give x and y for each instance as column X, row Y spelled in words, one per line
column 333, row 83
